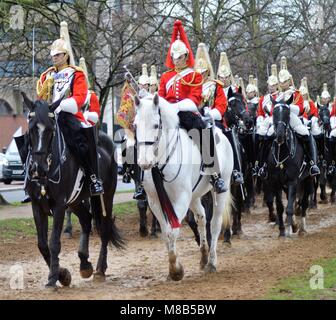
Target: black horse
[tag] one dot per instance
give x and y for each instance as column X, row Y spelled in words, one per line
column 326, row 155
column 287, row 170
column 237, row 116
column 55, row 181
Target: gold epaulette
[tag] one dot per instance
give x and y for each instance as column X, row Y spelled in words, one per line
column 44, row 90
column 76, row 68
column 219, row 82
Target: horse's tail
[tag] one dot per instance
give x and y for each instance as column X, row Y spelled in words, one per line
column 227, row 210
column 105, row 224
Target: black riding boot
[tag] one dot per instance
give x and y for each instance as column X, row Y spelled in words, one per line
column 210, row 160
column 256, row 168
column 265, row 145
column 139, row 193
column 237, row 175
column 91, row 161
column 311, row 153
column 332, row 156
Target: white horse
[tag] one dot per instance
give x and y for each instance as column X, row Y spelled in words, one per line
column 162, row 143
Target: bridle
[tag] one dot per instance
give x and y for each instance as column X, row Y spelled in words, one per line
column 155, row 144
column 48, row 153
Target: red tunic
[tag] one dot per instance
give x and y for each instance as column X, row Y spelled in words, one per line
column 189, row 87
column 94, row 105
column 220, row 102
column 79, row 90
column 261, row 111
column 298, row 100
column 313, row 112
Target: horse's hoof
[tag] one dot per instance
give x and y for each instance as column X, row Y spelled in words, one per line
column 177, row 274
column 302, row 232
column 282, row 236
column 99, row 276
column 51, row 287
column 64, row 277
column 295, row 228
column 153, row 236
column 143, row 232
column 86, row 273
column 227, row 244
column 210, row 268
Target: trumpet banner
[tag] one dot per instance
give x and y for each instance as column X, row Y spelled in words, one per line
column 126, row 113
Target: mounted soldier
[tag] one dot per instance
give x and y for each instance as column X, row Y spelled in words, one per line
column 296, row 112
column 252, row 97
column 215, row 103
column 182, row 85
column 67, row 84
column 264, row 122
column 224, row 74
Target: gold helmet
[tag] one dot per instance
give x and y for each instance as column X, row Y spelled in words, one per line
column 64, row 33
column 144, row 79
column 304, row 87
column 325, row 93
column 202, row 61
column 59, row 46
column 284, row 74
column 153, row 76
column 273, row 78
column 251, row 85
column 224, row 68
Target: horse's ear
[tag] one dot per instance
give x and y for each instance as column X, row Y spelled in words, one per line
column 230, row 93
column 55, row 104
column 290, row 100
column 136, row 101
column 27, row 102
column 240, row 90
column 156, row 99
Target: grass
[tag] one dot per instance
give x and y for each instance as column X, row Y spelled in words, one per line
column 126, row 191
column 298, row 287
column 13, row 228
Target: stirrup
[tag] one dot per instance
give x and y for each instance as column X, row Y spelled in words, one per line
column 314, row 170
column 139, row 193
column 237, row 177
column 218, row 183
column 96, row 186
column 263, row 173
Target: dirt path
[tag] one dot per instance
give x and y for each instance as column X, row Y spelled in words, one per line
column 247, row 270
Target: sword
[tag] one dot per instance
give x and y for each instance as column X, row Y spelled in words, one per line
column 129, row 77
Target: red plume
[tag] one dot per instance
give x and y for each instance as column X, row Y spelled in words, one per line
column 179, row 33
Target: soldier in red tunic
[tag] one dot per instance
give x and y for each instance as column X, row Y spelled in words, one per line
column 68, row 82
column 213, row 98
column 182, row 87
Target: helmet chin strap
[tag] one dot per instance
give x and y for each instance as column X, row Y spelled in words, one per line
column 62, row 62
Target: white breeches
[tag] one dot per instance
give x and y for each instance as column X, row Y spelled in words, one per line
column 263, row 125
column 297, row 125
column 315, row 127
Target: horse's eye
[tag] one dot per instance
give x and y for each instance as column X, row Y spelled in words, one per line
column 156, row 126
